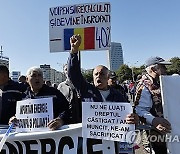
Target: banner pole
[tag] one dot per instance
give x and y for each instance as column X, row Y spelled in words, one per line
column 3, row 140
column 79, row 58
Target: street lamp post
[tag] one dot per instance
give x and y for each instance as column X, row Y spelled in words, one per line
column 132, row 73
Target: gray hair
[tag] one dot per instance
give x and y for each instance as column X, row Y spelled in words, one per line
column 34, row 69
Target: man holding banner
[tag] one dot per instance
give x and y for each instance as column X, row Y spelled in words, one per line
column 39, row 90
column 149, row 102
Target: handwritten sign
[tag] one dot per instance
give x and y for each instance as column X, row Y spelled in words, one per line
column 34, row 114
column 90, row 20
column 106, row 120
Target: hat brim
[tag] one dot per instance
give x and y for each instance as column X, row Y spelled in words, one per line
column 165, row 63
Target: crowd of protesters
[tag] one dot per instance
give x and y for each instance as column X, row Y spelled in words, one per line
column 68, row 95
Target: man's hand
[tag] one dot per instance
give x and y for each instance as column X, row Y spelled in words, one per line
column 55, row 123
column 162, row 125
column 132, row 118
column 13, row 120
column 75, row 42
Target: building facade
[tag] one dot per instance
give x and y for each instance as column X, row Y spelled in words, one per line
column 46, row 72
column 4, row 60
column 15, row 75
column 115, row 56
column 50, row 74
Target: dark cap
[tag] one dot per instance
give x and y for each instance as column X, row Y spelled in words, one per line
column 156, row 60
column 112, row 75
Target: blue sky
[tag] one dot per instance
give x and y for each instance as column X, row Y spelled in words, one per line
column 144, row 27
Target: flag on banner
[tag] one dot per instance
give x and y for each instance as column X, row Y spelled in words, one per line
column 87, row 37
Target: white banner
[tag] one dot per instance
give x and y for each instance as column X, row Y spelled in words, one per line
column 65, row 141
column 34, row 114
column 90, row 20
column 106, row 120
column 170, row 86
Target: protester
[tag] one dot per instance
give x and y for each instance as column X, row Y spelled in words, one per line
column 112, row 82
column 72, row 96
column 48, row 83
column 22, row 81
column 125, row 86
column 149, row 102
column 100, row 91
column 132, row 89
column 10, row 92
column 54, row 85
column 38, row 90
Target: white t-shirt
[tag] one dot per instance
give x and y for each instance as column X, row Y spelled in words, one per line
column 104, row 94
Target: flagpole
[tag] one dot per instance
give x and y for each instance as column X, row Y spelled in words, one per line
column 3, row 140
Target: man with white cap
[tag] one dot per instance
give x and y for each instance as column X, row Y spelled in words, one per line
column 149, row 102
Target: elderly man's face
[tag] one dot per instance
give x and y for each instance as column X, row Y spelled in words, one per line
column 35, row 81
column 100, row 77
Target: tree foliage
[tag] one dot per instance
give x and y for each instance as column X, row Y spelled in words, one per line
column 124, row 73
column 138, row 71
column 175, row 67
column 88, row 76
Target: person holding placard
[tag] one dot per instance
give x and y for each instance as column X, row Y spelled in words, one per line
column 37, row 89
column 100, row 91
column 149, row 102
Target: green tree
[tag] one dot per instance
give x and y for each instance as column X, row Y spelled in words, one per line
column 88, row 75
column 175, row 67
column 124, row 73
column 138, row 71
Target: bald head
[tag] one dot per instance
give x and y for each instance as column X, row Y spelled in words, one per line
column 100, row 77
column 101, row 67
